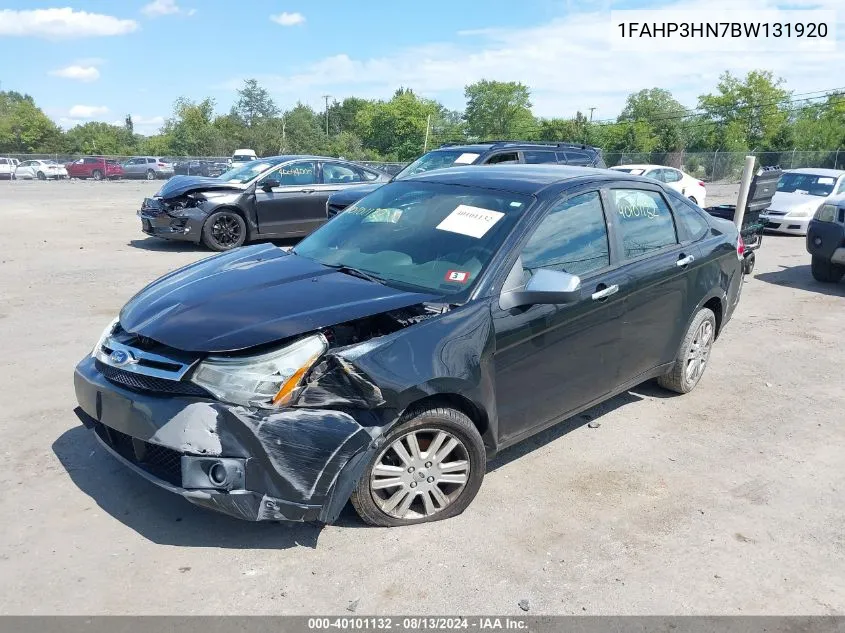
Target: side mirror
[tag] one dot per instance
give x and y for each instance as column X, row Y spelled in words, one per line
column 545, row 287
column 270, row 184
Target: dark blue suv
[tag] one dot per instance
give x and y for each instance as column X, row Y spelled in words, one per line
column 481, row 153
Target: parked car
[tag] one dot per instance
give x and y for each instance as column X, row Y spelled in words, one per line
column 826, row 240
column 801, row 192
column 680, row 181
column 149, row 167
column 397, row 348
column 7, row 168
column 40, row 169
column 486, row 153
column 207, row 168
column 242, row 156
column 282, row 196
column 94, row 167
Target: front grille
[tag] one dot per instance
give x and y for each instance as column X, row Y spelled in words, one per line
column 333, row 209
column 772, row 225
column 159, row 461
column 142, row 382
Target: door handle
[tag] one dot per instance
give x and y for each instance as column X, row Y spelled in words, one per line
column 685, row 261
column 605, row 292
column 306, row 191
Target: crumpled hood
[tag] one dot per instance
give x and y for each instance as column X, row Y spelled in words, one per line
column 350, row 195
column 784, row 201
column 251, row 296
column 180, row 185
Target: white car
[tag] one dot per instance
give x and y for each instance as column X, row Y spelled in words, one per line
column 40, row 169
column 681, row 182
column 7, row 167
column 800, row 194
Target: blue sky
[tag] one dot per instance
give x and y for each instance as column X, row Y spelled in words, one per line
column 85, row 60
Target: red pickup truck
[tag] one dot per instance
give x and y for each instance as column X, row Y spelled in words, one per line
column 95, row 167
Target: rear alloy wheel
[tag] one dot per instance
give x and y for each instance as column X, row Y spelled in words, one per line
column 693, row 200
column 224, row 230
column 430, row 468
column 97, row 174
column 826, row 271
column 151, row 175
column 41, row 175
column 693, row 355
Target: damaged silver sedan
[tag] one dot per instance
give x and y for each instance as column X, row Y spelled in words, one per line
column 397, row 348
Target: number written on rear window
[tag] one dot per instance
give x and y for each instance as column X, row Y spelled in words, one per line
column 644, row 220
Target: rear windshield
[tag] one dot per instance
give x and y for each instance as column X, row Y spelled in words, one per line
column 812, row 184
column 428, row 236
column 629, row 170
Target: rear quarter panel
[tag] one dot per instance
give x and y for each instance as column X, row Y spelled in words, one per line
column 719, row 274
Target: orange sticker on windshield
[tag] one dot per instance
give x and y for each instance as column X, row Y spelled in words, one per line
column 457, row 276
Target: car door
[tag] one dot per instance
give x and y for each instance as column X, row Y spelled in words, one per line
column 24, row 170
column 554, row 359
column 131, row 167
column 657, row 263
column 289, row 208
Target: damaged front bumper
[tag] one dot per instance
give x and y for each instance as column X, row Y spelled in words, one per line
column 186, row 225
column 295, row 464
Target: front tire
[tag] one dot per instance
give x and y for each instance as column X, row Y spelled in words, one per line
column 692, row 357
column 430, row 467
column 151, row 175
column 224, row 230
column 826, row 271
column 40, row 175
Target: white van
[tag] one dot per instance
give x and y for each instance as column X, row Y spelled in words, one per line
column 242, row 156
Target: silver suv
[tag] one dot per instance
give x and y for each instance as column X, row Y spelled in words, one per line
column 148, row 167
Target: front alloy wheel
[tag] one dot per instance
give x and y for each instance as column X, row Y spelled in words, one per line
column 224, row 230
column 429, row 468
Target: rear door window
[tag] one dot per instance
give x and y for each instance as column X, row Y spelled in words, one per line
column 533, row 157
column 644, row 221
column 671, row 175
column 577, row 158
column 688, row 215
column 334, row 173
column 505, row 157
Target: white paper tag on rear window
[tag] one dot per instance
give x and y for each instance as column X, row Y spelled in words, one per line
column 472, row 221
column 466, row 159
column 826, row 181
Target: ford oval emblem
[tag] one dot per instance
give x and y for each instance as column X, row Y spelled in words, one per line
column 119, row 357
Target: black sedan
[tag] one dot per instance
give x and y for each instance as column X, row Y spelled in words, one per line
column 278, row 197
column 207, row 168
column 400, row 346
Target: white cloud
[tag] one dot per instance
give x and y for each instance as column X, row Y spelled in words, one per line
column 61, row 23
column 79, row 73
column 158, row 8
column 567, row 63
column 86, row 111
column 288, row 19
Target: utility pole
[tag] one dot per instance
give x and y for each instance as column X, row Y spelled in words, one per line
column 591, row 114
column 427, row 128
column 327, row 97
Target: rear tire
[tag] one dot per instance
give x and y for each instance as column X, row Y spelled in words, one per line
column 224, row 230
column 692, row 357
column 429, row 438
column 826, row 271
column 97, row 174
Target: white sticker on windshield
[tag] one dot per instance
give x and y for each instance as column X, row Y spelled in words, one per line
column 466, row 159
column 826, row 181
column 472, row 221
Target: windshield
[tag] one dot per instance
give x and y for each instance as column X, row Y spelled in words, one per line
column 437, row 160
column 247, row 171
column 242, row 158
column 812, row 184
column 429, row 236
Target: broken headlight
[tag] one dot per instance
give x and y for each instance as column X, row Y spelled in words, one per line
column 267, row 381
column 106, row 333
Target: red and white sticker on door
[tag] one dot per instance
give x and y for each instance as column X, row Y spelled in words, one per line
column 457, row 276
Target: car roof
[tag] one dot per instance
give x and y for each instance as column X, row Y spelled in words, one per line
column 486, row 146
column 816, row 171
column 642, row 166
column 524, row 179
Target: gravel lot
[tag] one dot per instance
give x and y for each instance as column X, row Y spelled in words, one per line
column 730, row 500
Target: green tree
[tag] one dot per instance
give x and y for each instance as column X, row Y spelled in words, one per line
column 96, row 137
column 302, row 131
column 191, row 129
column 497, row 109
column 753, row 107
column 254, row 103
column 397, row 128
column 662, row 118
column 24, row 127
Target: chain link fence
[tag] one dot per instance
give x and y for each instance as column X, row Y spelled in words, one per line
column 727, row 166
column 707, row 166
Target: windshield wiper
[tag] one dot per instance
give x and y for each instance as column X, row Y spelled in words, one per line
column 349, row 270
